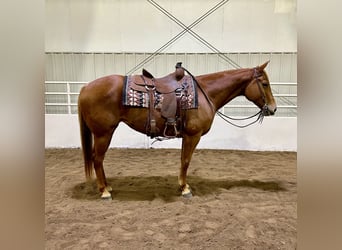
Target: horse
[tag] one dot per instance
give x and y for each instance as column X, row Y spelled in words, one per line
column 100, row 111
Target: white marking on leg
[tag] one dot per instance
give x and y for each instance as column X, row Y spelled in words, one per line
column 106, row 194
column 186, row 190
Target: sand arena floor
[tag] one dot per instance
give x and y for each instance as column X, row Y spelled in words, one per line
column 242, row 200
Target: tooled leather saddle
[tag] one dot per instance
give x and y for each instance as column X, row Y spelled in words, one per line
column 168, row 95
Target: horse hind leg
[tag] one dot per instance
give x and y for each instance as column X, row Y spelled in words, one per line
column 189, row 144
column 101, row 144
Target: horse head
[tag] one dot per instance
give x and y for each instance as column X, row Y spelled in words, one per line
column 259, row 91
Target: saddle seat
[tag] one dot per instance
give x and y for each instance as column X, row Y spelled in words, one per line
column 170, row 86
column 164, row 85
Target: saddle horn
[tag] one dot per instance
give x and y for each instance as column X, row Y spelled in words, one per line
column 179, row 71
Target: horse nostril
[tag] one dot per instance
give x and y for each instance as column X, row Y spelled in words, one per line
column 272, row 111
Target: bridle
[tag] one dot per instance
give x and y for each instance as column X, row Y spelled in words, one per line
column 265, row 110
column 260, row 115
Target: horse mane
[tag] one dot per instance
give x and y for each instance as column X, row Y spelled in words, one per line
column 228, row 71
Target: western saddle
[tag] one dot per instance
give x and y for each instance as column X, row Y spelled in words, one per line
column 170, row 88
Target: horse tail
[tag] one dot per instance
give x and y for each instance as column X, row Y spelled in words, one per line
column 87, row 145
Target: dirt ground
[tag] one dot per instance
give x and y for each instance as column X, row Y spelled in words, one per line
column 242, row 200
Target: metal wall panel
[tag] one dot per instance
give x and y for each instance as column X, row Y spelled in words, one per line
column 109, row 63
column 89, row 66
column 55, row 66
column 274, row 67
column 84, row 67
column 55, row 87
column 99, row 65
column 119, row 64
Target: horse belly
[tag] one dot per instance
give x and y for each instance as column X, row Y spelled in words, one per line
column 138, row 119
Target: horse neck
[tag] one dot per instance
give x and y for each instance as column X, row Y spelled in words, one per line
column 222, row 87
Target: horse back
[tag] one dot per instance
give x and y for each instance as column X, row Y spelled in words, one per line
column 102, row 91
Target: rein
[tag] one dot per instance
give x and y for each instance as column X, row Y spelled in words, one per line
column 225, row 118
column 199, row 86
column 158, row 138
column 260, row 114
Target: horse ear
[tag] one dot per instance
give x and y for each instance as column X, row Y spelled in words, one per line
column 262, row 67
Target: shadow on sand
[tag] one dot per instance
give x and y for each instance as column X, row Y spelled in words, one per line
column 148, row 188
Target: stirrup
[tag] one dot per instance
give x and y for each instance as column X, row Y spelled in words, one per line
column 174, row 124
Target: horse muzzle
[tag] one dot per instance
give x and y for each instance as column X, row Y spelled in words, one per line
column 267, row 111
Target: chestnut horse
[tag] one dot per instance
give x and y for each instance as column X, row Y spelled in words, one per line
column 101, row 110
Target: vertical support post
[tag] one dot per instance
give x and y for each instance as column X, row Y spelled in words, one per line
column 69, row 99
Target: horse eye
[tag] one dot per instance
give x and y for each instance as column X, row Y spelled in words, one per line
column 265, row 84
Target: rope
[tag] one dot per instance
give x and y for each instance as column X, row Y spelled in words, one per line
column 195, row 35
column 223, row 116
column 179, row 35
column 260, row 118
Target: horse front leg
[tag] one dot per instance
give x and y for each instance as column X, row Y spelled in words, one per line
column 189, row 144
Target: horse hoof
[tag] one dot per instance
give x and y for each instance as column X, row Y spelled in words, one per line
column 187, row 195
column 106, row 198
column 109, row 188
column 106, row 195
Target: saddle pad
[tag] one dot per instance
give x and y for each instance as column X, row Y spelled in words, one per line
column 135, row 98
